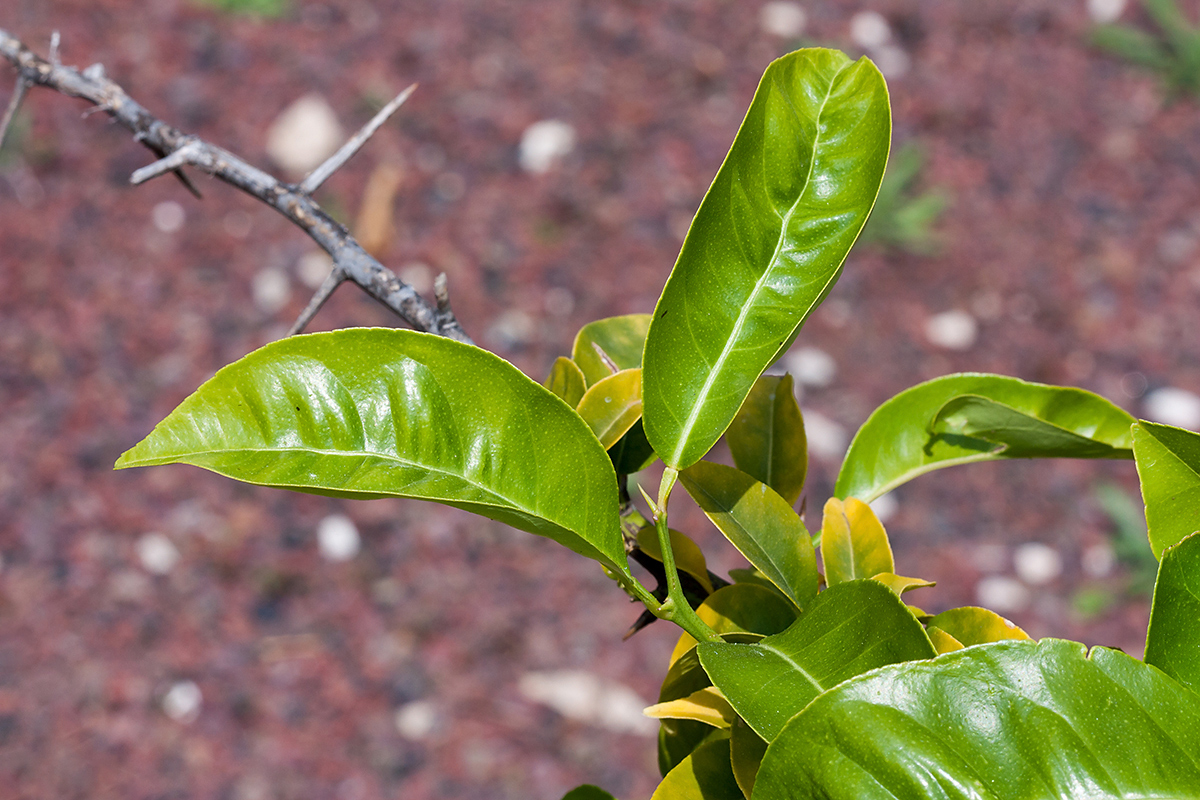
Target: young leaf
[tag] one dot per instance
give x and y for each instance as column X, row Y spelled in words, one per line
column 1173, row 640
column 766, row 245
column 632, row 453
column 368, row 413
column 854, row 544
column 960, row 419
column 759, row 523
column 1009, row 720
column 611, row 405
column 972, row 625
column 566, row 381
column 621, row 339
column 705, row 705
column 851, row 628
column 942, row 641
column 766, row 438
column 1168, row 465
column 704, row 775
column 741, row 608
column 899, row 584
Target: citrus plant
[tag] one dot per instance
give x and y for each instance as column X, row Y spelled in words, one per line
column 803, row 675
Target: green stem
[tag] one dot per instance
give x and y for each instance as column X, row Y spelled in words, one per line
column 676, row 607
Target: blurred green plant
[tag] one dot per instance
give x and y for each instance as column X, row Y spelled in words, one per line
column 15, row 141
column 903, row 218
column 256, row 8
column 1172, row 51
column 1129, row 540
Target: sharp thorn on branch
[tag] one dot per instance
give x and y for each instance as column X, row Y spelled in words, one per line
column 324, row 293
column 164, row 165
column 319, row 175
column 11, row 112
column 55, row 40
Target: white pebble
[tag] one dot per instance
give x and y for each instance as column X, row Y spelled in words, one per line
column 182, row 702
column 271, row 290
column 168, row 216
column 1171, row 406
column 543, row 144
column 416, row 720
column 885, row 506
column 952, row 330
column 1098, row 560
column 826, row 438
column 586, row 697
column 512, row 328
column 870, row 29
column 304, row 134
column 1104, row 11
column 337, row 538
column 558, row 302
column 893, row 61
column 1036, row 563
column 1002, row 594
column 157, row 553
column 313, row 268
column 785, row 20
column 812, row 367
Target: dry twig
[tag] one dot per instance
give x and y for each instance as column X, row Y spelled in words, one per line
column 176, row 150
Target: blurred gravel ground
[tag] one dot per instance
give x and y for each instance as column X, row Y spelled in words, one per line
column 1071, row 243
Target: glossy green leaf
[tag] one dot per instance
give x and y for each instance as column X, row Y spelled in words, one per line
column 704, row 775
column 766, row 438
column 741, row 608
column 766, row 245
column 854, row 544
column 1009, row 721
column 705, row 705
column 971, row 625
column 746, row 751
column 900, row 584
column 612, row 405
column 1173, row 640
column 621, row 339
column 689, row 557
column 588, row 792
column 759, row 523
column 960, row 419
column 678, row 738
column 1168, row 465
column 370, row 413
column 566, row 381
column 851, row 628
column 632, row 453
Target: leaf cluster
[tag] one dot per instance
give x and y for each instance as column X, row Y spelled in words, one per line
column 1172, row 50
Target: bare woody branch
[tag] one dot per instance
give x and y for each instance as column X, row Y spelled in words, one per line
column 177, row 149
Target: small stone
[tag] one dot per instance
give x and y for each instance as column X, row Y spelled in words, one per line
column 1037, row 564
column 543, row 144
column 1133, row 385
column 1099, row 560
column 586, row 697
column 785, row 20
column 182, row 702
column 157, row 553
column 271, row 290
column 417, row 720
column 893, row 61
column 870, row 29
column 1171, row 406
column 952, row 330
column 512, row 329
column 558, row 302
column 885, row 506
column 168, row 216
column 313, row 268
column 1002, row 594
column 304, row 135
column 826, row 438
column 1105, row 11
column 812, row 367
column 337, row 538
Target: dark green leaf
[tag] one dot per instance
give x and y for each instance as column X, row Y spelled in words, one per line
column 612, row 405
column 1019, row 433
column 852, row 627
column 904, row 438
column 746, row 750
column 689, row 557
column 588, row 792
column 1173, row 641
column 704, row 775
column 620, row 338
column 854, row 544
column 370, row 413
column 766, row 245
column 766, row 438
column 632, row 453
column 566, row 381
column 759, row 523
column 1168, row 465
column 1005, row 721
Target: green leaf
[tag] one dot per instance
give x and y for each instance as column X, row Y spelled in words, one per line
column 741, row 608
column 942, row 641
column 905, row 437
column 678, row 738
column 612, row 405
column 900, row 584
column 854, row 544
column 973, row 625
column 1173, row 640
column 688, row 556
column 1007, row 721
column 759, row 523
column 766, row 438
column 746, row 751
column 621, row 339
column 368, row 413
column 566, row 381
column 704, row 775
column 766, row 245
column 588, row 792
column 851, row 628
column 633, row 453
column 1168, row 465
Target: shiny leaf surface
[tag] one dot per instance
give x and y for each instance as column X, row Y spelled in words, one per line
column 369, row 413
column 766, row 438
column 973, row 625
column 854, row 544
column 740, row 608
column 622, row 340
column 566, row 381
column 851, row 628
column 704, row 775
column 1173, row 640
column 759, row 523
column 1009, row 721
column 766, row 245
column 960, row 419
column 612, row 405
column 1168, row 465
